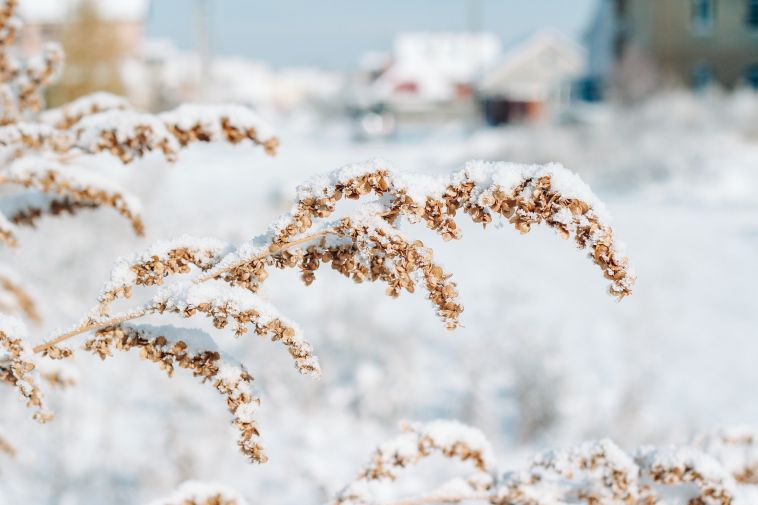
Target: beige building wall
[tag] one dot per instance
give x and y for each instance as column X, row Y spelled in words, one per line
column 661, row 34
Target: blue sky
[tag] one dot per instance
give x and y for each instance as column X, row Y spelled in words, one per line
column 334, row 33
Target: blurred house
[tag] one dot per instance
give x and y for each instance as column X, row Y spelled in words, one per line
column 427, row 75
column 168, row 76
column 639, row 46
column 532, row 79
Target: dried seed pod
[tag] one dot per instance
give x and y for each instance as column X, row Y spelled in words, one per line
column 17, row 364
column 200, row 493
column 196, row 351
column 73, row 189
column 735, row 448
column 14, row 297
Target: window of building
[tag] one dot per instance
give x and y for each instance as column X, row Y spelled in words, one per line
column 703, row 16
column 751, row 76
column 702, row 76
column 752, row 14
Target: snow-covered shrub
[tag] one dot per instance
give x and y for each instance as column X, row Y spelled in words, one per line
column 41, row 173
column 190, row 276
column 592, row 473
column 200, row 493
column 222, row 281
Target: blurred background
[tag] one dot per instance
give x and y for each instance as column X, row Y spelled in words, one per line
column 653, row 102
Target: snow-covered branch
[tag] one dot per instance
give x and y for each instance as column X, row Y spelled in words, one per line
column 201, row 493
column 220, row 281
column 593, row 472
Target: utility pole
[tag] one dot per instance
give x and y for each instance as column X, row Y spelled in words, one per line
column 474, row 11
column 203, row 45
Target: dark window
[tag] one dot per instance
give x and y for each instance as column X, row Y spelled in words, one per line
column 752, row 14
column 703, row 14
column 621, row 8
column 702, row 76
column 751, row 76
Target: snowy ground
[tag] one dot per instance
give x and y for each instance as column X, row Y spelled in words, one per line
column 546, row 358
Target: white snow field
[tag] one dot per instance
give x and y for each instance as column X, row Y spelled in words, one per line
column 545, row 358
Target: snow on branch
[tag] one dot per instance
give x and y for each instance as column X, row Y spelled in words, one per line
column 126, row 135
column 66, row 116
column 736, row 449
column 224, row 303
column 201, row 493
column 194, row 350
column 209, row 277
column 451, row 439
column 17, row 364
column 593, row 473
column 525, row 195
column 90, row 125
column 219, row 123
column 695, row 474
column 162, row 259
column 72, row 188
column 14, row 297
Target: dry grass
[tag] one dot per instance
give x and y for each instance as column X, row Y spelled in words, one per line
column 596, row 473
column 17, row 365
column 196, row 493
column 39, row 149
column 169, row 351
column 14, row 297
column 6, row 447
column 205, row 277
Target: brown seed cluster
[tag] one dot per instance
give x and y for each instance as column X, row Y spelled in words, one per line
column 364, row 253
column 8, row 33
column 712, row 489
column 6, row 447
column 16, row 369
column 166, row 133
column 452, row 440
column 736, row 449
column 223, row 310
column 75, row 195
column 29, row 215
column 532, row 201
column 22, row 82
column 607, row 475
column 215, row 499
column 65, row 117
column 419, row 441
column 125, row 135
column 24, row 137
column 200, row 493
column 58, row 378
column 230, row 380
column 598, row 473
column 230, row 132
column 151, row 269
column 24, row 302
column 33, row 78
column 97, row 123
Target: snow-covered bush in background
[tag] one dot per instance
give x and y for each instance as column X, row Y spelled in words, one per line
column 593, row 473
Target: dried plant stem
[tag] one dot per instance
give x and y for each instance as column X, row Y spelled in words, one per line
column 274, row 249
column 89, row 325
